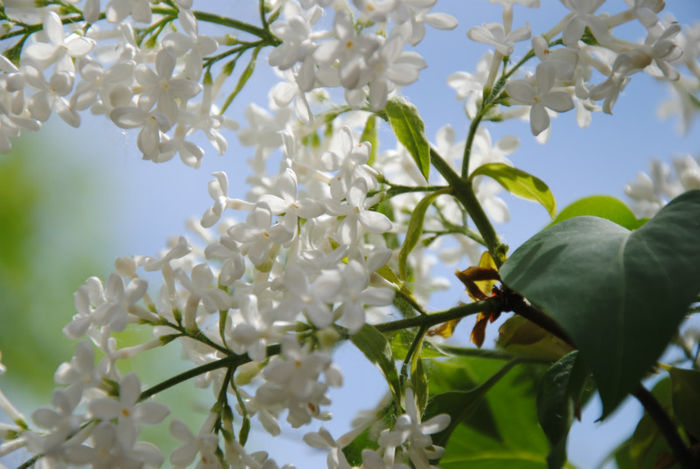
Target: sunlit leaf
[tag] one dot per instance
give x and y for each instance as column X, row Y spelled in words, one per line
column 410, row 131
column 504, row 432
column 518, row 182
column 415, row 229
column 602, row 206
column 607, row 286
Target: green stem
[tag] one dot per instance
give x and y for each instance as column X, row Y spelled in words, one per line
column 464, row 192
column 232, row 361
column 429, row 320
column 415, row 347
column 470, row 141
column 236, row 24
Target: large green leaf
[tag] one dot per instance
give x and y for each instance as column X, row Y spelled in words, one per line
column 686, row 398
column 518, row 182
column 558, row 398
column 377, row 350
column 410, row 131
column 620, row 295
column 603, row 206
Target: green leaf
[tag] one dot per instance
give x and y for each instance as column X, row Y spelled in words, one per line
column 558, row 399
column 369, row 134
column 518, row 441
column 518, row 182
column 523, row 338
column 685, row 385
column 620, row 295
column 377, row 350
column 602, row 206
column 461, row 405
column 415, row 229
column 410, row 131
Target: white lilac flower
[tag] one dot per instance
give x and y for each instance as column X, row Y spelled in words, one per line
column 494, row 34
column 151, row 124
column 162, row 89
column 51, row 95
column 357, row 213
column 357, row 293
column 292, row 382
column 539, row 96
column 414, row 434
column 128, row 411
column 258, row 234
column 388, row 66
column 582, row 18
column 57, row 49
column 205, row 444
column 470, row 86
column 349, row 49
column 117, row 10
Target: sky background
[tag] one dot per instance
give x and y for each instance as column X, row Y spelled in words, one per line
column 137, row 205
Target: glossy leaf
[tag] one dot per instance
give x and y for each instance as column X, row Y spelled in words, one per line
column 620, row 295
column 602, row 206
column 377, row 350
column 686, row 398
column 558, row 398
column 415, row 230
column 518, row 182
column 410, row 131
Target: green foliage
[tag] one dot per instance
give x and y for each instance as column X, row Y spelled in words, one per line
column 462, row 404
column 606, row 286
column 602, row 206
column 41, row 262
column 410, row 131
column 503, row 432
column 518, row 182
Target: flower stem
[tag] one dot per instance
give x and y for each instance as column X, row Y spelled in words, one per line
column 464, row 192
column 228, row 362
column 429, row 320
